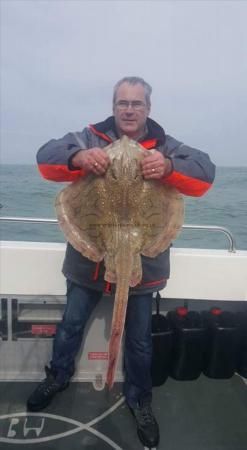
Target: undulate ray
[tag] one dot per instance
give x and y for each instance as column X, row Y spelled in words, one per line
column 118, row 217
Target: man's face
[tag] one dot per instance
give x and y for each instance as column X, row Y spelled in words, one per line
column 130, row 118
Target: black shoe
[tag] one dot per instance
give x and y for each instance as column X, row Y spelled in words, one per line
column 147, row 427
column 45, row 391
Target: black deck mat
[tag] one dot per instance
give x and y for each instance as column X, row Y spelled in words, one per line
column 204, row 414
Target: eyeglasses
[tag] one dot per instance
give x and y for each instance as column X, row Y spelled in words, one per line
column 135, row 104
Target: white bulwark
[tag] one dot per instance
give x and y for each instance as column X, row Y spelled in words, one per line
column 32, row 300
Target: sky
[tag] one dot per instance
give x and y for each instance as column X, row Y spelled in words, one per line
column 61, row 59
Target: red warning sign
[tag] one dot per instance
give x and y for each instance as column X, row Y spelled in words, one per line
column 97, row 355
column 45, row 330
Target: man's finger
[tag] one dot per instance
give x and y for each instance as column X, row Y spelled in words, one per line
column 102, row 160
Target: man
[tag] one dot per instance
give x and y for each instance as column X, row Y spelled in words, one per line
column 73, row 156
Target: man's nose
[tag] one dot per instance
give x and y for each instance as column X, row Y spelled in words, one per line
column 129, row 109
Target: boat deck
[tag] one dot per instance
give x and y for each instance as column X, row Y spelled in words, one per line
column 205, row 414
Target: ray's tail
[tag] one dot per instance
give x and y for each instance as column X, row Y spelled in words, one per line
column 123, row 271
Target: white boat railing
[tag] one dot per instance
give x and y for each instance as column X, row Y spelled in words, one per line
column 211, row 228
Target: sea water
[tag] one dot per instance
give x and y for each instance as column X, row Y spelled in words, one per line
column 24, row 193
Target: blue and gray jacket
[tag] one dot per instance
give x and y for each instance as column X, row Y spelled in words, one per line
column 193, row 174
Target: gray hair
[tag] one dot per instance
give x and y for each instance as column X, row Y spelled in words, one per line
column 133, row 81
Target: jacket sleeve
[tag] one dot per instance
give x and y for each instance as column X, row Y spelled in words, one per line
column 193, row 171
column 54, row 157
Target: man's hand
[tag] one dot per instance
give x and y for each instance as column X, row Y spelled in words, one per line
column 92, row 160
column 155, row 166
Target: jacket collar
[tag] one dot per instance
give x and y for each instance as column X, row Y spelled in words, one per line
column 107, row 130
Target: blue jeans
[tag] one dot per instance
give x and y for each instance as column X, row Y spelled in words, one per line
column 138, row 341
